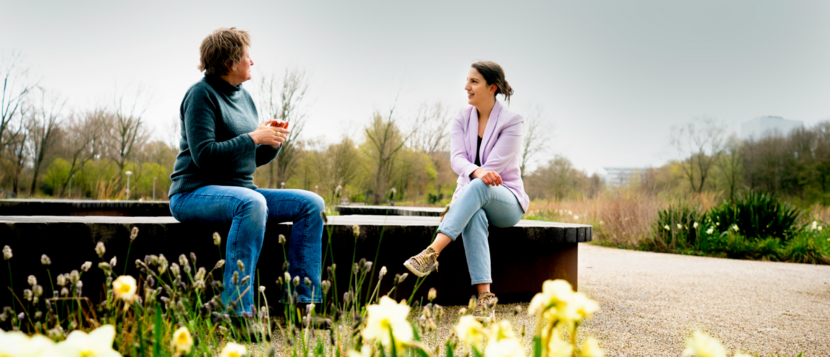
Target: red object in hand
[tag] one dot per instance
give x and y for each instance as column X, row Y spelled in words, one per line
column 279, row 124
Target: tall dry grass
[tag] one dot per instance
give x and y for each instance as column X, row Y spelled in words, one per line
column 620, row 217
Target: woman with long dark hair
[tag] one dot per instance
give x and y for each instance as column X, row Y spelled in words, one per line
column 485, row 146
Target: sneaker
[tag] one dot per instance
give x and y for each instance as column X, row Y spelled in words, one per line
column 423, row 263
column 486, row 305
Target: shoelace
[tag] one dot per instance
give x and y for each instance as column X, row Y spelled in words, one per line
column 422, row 259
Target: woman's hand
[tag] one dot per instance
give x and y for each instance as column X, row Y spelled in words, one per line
column 272, row 136
column 490, row 178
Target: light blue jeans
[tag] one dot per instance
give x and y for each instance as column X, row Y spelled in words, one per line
column 247, row 211
column 477, row 206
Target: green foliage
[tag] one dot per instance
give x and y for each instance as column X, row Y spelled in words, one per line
column 676, row 227
column 812, row 246
column 758, row 215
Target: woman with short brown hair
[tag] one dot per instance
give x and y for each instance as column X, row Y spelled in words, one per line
column 221, row 146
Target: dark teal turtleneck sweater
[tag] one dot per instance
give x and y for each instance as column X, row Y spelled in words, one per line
column 215, row 148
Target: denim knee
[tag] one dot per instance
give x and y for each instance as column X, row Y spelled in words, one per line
column 257, row 208
column 316, row 204
column 478, row 185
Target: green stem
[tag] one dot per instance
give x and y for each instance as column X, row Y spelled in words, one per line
column 130, row 247
column 11, row 282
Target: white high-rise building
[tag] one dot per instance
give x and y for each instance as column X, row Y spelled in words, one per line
column 761, row 127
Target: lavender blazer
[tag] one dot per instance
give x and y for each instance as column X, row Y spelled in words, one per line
column 501, row 147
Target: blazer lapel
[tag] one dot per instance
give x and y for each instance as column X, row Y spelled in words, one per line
column 472, row 136
column 488, row 131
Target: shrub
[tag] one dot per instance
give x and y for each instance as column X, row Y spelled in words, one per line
column 810, row 246
column 675, row 228
column 758, row 216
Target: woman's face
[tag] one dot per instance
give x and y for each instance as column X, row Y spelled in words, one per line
column 478, row 92
column 242, row 71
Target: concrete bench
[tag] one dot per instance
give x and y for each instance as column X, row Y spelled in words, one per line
column 523, row 256
column 61, row 207
column 390, row 211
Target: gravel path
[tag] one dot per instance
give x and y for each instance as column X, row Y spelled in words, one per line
column 651, row 301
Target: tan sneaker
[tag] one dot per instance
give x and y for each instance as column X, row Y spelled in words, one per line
column 486, row 305
column 423, row 263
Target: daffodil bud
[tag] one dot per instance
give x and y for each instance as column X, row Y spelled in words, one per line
column 85, row 266
column 200, row 274
column 325, row 219
column 32, row 280
column 113, row 261
column 64, row 292
column 262, row 289
column 296, row 281
column 235, row 278
column 27, row 294
column 104, row 266
column 367, row 267
column 462, row 311
column 183, row 260
column 382, row 272
column 193, row 258
column 133, row 234
column 281, row 239
column 37, row 290
column 163, row 264
column 432, row 294
column 285, row 266
column 100, row 250
column 219, row 264
column 325, row 285
column 61, row 280
column 287, row 277
column 74, row 275
column 356, row 231
column 44, row 260
column 472, row 304
column 403, row 277
column 241, row 265
column 7, row 252
column 174, row 269
column 245, row 280
column 307, row 282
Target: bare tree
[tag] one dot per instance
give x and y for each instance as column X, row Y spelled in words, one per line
column 83, row 139
column 731, row 165
column 699, row 145
column 125, row 130
column 16, row 85
column 385, row 142
column 430, row 135
column 282, row 99
column 16, row 144
column 335, row 168
column 42, row 128
column 536, row 139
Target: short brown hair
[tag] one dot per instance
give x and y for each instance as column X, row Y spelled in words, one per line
column 493, row 74
column 222, row 45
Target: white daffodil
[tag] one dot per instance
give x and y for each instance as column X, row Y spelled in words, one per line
column 16, row 343
column 124, row 288
column 182, row 342
column 97, row 343
column 385, row 315
column 735, row 227
column 679, row 226
column 554, row 292
column 666, row 227
column 695, row 225
column 365, row 351
column 814, row 225
column 710, row 230
column 701, row 345
column 233, row 350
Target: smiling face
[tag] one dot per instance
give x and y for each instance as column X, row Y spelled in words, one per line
column 478, row 91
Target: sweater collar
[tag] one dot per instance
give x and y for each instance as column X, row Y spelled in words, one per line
column 221, row 85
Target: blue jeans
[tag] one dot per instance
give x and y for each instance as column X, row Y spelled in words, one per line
column 248, row 210
column 477, row 206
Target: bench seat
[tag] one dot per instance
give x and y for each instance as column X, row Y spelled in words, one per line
column 523, row 256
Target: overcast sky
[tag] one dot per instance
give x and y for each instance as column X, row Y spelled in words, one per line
column 612, row 77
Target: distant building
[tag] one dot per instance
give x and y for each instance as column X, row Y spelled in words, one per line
column 761, row 127
column 620, row 176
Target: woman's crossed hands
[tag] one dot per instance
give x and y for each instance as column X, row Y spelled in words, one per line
column 271, row 132
column 490, row 178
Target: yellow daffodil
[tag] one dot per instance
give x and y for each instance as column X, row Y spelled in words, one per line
column 501, row 330
column 233, row 350
column 124, row 288
column 469, row 330
column 507, row 347
column 553, row 292
column 701, row 345
column 558, row 347
column 387, row 314
column 182, row 342
column 97, row 343
column 590, row 348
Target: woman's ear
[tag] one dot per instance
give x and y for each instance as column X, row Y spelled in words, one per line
column 493, row 88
